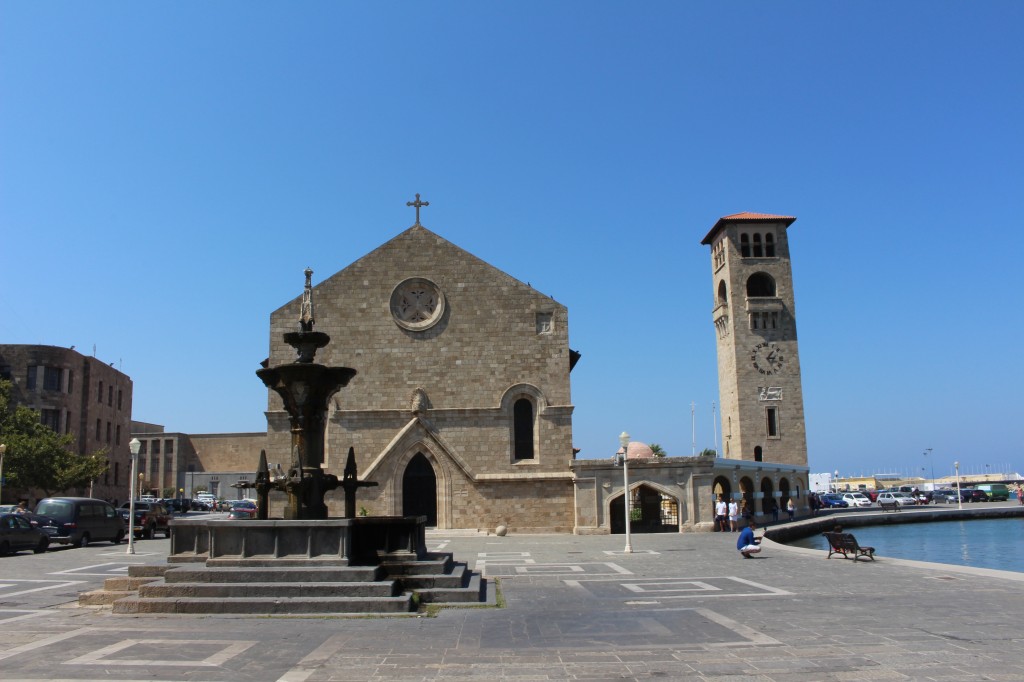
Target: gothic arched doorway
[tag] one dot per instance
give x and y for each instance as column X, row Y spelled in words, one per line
column 419, row 489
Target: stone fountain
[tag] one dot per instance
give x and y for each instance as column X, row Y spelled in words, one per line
column 305, row 562
column 306, row 387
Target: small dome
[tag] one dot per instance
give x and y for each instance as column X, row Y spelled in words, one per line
column 637, row 450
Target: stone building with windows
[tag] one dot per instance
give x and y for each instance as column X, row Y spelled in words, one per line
column 182, row 463
column 461, row 409
column 80, row 395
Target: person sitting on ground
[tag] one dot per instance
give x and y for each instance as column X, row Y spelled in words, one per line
column 747, row 544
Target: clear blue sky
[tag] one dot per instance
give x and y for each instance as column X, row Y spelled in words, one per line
column 167, row 170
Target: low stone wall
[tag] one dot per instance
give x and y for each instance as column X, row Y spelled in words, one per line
column 788, row 532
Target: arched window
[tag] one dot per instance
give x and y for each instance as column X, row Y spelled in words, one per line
column 745, row 245
column 522, row 417
column 723, row 293
column 758, row 252
column 758, row 456
column 760, row 284
column 769, row 245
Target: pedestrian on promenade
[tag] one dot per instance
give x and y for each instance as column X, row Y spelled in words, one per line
column 747, row 544
column 734, row 516
column 775, row 511
column 1020, row 494
column 720, row 512
column 790, row 508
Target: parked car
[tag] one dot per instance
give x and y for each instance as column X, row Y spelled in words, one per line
column 871, row 494
column 7, row 508
column 199, row 505
column 178, row 505
column 242, row 509
column 945, row 496
column 857, row 499
column 17, row 534
column 898, row 498
column 830, row 500
column 81, row 520
column 973, row 495
column 150, row 518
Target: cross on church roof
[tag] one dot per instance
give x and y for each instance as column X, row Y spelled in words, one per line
column 417, row 204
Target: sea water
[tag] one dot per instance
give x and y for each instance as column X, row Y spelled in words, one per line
column 982, row 543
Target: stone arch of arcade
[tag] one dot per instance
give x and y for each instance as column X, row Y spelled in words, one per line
column 767, row 495
column 784, row 492
column 746, row 493
column 654, row 510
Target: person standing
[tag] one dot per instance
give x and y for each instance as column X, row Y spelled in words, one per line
column 720, row 512
column 790, row 508
column 734, row 516
column 775, row 511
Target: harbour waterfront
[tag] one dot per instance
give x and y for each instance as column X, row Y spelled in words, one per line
column 981, row 543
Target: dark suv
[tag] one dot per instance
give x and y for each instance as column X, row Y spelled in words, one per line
column 150, row 517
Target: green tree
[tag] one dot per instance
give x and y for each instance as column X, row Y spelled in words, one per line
column 708, row 452
column 657, row 450
column 38, row 457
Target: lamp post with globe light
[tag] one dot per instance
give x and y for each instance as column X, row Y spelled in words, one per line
column 624, row 441
column 3, row 450
column 959, row 501
column 133, row 447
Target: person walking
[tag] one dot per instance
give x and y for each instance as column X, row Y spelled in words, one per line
column 790, row 508
column 775, row 511
column 734, row 516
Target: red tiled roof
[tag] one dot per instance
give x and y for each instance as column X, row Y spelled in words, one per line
column 747, row 217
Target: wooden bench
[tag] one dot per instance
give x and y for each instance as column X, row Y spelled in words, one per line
column 846, row 544
column 890, row 506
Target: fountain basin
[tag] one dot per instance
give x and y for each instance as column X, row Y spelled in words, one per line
column 362, row 541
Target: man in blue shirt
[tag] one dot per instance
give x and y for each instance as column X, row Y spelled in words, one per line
column 747, row 544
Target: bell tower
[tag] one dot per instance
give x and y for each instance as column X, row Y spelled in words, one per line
column 762, row 403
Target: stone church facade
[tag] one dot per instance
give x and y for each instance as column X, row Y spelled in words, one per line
column 461, row 408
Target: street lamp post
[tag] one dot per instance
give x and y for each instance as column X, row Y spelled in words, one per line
column 835, row 481
column 624, row 441
column 133, row 447
column 3, row 449
column 928, row 451
column 959, row 502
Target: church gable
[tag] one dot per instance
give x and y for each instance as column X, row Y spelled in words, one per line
column 420, row 311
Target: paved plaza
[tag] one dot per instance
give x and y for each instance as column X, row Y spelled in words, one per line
column 681, row 606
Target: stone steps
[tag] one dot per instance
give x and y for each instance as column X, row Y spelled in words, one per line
column 266, row 605
column 239, row 577
column 474, row 591
column 296, row 590
column 198, row 573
